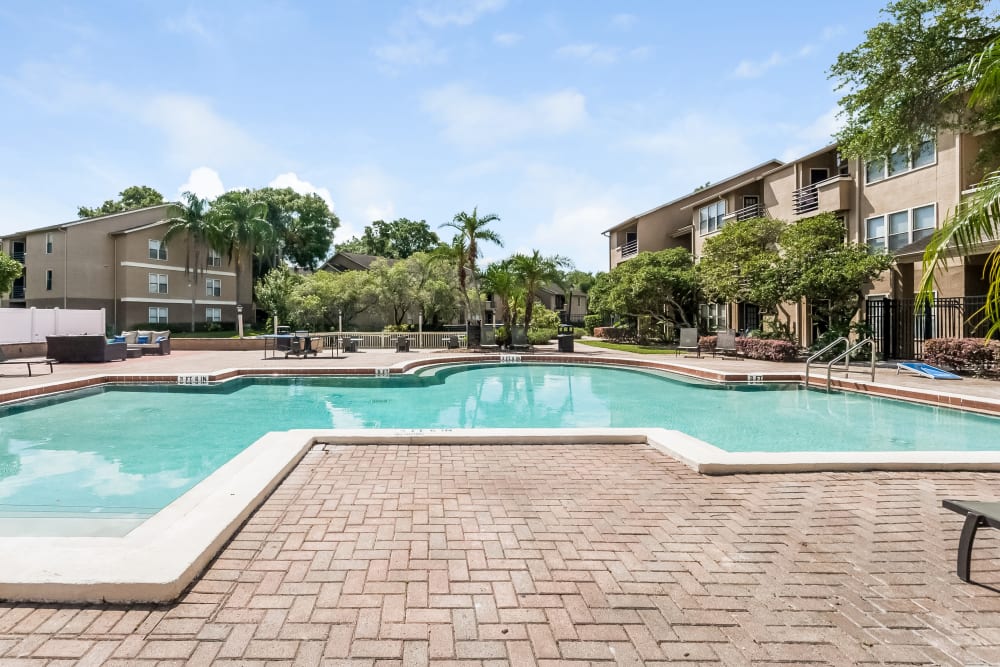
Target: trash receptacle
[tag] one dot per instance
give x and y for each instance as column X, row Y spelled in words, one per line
column 565, row 342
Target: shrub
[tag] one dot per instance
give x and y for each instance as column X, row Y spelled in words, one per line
column 975, row 354
column 185, row 327
column 765, row 349
column 540, row 336
column 615, row 334
column 579, row 333
column 591, row 322
column 393, row 328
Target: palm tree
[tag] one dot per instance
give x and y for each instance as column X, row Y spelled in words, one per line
column 975, row 223
column 533, row 271
column 472, row 230
column 499, row 280
column 191, row 219
column 244, row 229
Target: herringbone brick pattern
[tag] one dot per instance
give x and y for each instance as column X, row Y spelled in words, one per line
column 488, row 555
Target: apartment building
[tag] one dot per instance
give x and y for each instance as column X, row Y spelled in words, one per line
column 120, row 263
column 892, row 204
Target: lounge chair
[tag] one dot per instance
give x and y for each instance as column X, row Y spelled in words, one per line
column 519, row 339
column 725, row 344
column 976, row 514
column 925, row 370
column 488, row 340
column 689, row 341
column 28, row 363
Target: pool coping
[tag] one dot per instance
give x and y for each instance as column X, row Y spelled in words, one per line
column 157, row 561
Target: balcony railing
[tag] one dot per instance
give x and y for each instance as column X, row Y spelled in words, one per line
column 747, row 212
column 18, row 256
column 17, row 292
column 829, row 195
column 629, row 249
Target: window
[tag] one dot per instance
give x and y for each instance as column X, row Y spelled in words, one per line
column 904, row 227
column 213, row 287
column 48, row 243
column 901, row 161
column 716, row 315
column 48, row 280
column 710, row 217
column 157, row 315
column 157, row 283
column 157, row 250
column 213, row 314
column 214, row 258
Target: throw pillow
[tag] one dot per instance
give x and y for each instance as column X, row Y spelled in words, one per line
column 143, row 340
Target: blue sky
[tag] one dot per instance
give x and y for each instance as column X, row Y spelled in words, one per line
column 564, row 118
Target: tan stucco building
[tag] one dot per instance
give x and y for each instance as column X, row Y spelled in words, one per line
column 119, row 262
column 892, row 204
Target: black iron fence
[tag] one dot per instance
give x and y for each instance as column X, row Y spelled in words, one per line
column 900, row 326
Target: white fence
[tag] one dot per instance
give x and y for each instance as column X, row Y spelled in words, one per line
column 378, row 340
column 32, row 325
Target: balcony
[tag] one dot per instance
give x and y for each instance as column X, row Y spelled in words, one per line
column 18, row 256
column 746, row 213
column 629, row 249
column 833, row 194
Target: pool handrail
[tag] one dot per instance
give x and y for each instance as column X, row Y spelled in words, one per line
column 816, row 355
column 846, row 356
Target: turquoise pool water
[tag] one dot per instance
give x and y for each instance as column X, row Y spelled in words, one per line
column 131, row 450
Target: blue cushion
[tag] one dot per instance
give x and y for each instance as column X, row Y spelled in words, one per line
column 119, row 339
column 143, row 340
column 161, row 339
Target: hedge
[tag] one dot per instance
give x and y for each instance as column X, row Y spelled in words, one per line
column 615, row 334
column 975, row 354
column 766, row 349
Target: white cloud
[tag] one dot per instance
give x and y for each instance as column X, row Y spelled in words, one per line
column 507, row 38
column 195, row 133
column 204, row 182
column 751, row 69
column 474, row 119
column 457, row 12
column 589, row 53
column 623, row 21
column 366, row 195
column 410, row 52
column 291, row 180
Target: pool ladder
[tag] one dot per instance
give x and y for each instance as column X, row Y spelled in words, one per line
column 845, row 356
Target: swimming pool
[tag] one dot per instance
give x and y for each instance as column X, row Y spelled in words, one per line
column 121, row 453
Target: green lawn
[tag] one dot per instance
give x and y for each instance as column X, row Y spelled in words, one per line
column 627, row 347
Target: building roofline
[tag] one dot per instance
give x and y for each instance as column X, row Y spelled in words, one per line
column 82, row 221
column 778, row 164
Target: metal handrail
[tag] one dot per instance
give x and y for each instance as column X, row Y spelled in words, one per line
column 816, row 355
column 846, row 355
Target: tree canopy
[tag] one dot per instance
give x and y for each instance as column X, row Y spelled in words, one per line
column 398, row 239
column 743, row 263
column 10, row 270
column 899, row 84
column 661, row 285
column 129, row 199
column 303, row 225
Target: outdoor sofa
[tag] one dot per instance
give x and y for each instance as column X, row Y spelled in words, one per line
column 83, row 348
column 146, row 342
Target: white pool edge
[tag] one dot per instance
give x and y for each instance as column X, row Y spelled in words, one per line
column 160, row 558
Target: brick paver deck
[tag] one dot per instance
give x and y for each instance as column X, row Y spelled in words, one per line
column 561, row 555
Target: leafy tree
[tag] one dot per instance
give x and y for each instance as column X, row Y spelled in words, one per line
column 576, row 281
column 743, row 263
column 828, row 273
column 661, row 285
column 898, row 83
column 398, row 239
column 10, row 270
column 243, row 228
column 437, row 287
column 322, row 297
column 129, row 199
column 275, row 292
column 472, row 230
column 192, row 221
column 533, row 272
column 303, row 226
column 499, row 280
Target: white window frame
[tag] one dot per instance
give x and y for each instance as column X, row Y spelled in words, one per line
column 49, row 242
column 214, row 258
column 213, row 287
column 157, row 250
column 161, row 281
column 884, row 174
column 910, row 230
column 157, row 314
column 710, row 217
column 716, row 315
column 213, row 314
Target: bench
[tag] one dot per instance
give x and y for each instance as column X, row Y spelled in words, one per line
column 976, row 514
column 27, row 362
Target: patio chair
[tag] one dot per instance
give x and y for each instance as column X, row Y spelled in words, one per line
column 976, row 514
column 402, row 344
column 451, row 343
column 488, row 340
column 519, row 339
column 725, row 344
column 689, row 341
column 28, row 363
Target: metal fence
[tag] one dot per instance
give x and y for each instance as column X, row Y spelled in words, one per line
column 900, row 326
column 380, row 340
